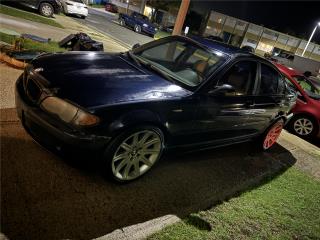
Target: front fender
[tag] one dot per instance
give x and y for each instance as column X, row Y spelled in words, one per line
column 134, row 118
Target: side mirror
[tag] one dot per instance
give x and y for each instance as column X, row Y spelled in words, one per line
column 137, row 45
column 222, row 89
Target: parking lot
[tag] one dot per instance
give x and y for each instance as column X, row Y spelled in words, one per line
column 54, row 195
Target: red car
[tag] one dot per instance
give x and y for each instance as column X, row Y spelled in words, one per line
column 306, row 119
column 111, row 8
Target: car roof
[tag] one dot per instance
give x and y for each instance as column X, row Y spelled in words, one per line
column 216, row 45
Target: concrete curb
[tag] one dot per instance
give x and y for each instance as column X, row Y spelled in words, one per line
column 301, row 144
column 141, row 230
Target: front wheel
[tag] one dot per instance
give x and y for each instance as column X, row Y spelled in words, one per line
column 303, row 126
column 133, row 153
column 46, row 9
column 272, row 134
column 137, row 29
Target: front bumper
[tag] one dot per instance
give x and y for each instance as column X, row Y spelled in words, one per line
column 50, row 132
column 149, row 30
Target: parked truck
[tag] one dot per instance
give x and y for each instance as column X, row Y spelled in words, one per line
column 138, row 22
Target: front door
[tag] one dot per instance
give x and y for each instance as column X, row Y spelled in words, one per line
column 225, row 116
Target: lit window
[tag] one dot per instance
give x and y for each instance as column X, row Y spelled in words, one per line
column 265, row 47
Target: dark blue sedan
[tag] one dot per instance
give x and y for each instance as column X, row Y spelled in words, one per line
column 130, row 107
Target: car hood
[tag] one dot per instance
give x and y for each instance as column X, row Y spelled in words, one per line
column 93, row 79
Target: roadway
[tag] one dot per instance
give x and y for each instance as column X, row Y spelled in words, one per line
column 108, row 23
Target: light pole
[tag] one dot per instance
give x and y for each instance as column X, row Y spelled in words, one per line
column 314, row 30
column 128, row 4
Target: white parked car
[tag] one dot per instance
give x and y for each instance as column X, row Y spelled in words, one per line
column 75, row 7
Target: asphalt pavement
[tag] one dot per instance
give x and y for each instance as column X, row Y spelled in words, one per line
column 49, row 197
column 108, row 24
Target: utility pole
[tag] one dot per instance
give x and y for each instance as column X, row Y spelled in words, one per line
column 181, row 17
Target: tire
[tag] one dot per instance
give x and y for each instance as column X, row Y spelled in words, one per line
column 46, row 9
column 137, row 29
column 270, row 136
column 83, row 17
column 133, row 153
column 303, row 126
column 122, row 22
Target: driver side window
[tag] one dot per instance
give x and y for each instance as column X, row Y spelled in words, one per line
column 241, row 76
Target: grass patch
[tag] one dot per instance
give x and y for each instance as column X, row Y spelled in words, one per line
column 28, row 16
column 28, row 44
column 161, row 34
column 288, row 207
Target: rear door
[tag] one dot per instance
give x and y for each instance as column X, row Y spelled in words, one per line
column 269, row 98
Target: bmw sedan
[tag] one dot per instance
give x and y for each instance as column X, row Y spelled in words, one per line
column 172, row 93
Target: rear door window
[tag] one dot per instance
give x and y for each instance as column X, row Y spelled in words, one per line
column 270, row 81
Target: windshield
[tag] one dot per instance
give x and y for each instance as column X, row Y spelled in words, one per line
column 307, row 86
column 183, row 61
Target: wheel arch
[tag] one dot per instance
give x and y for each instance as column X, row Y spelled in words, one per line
column 137, row 118
column 41, row 2
column 306, row 114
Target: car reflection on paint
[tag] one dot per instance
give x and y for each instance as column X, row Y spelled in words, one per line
column 170, row 93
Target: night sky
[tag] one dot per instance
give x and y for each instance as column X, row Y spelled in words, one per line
column 295, row 18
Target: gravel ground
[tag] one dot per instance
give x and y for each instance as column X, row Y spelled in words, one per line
column 8, row 76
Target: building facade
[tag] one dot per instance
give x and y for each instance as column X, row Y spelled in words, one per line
column 264, row 40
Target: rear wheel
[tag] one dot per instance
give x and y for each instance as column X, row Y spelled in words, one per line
column 46, row 9
column 272, row 134
column 122, row 22
column 303, row 126
column 133, row 153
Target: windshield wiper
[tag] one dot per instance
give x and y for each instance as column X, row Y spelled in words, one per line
column 150, row 66
column 159, row 71
column 132, row 57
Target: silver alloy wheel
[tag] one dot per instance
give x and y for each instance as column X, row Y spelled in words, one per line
column 46, row 10
column 303, row 126
column 122, row 23
column 136, row 155
column 137, row 29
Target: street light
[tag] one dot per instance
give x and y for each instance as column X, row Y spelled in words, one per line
column 314, row 30
column 128, row 3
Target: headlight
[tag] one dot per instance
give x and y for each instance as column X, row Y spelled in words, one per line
column 145, row 25
column 68, row 112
